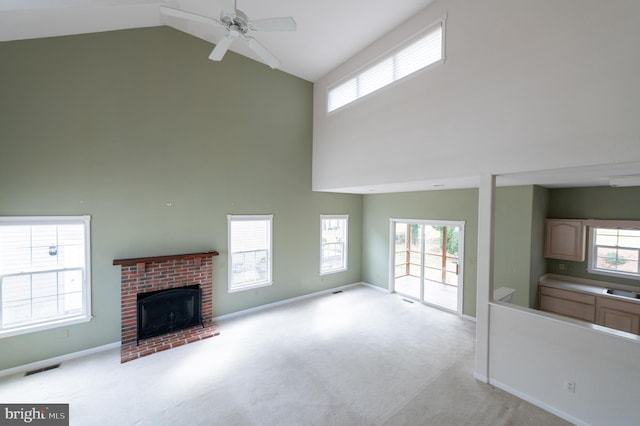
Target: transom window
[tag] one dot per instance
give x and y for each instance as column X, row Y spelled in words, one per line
column 250, row 260
column 333, row 243
column 44, row 272
column 615, row 252
column 417, row 53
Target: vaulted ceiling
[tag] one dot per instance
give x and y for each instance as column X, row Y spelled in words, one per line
column 328, row 32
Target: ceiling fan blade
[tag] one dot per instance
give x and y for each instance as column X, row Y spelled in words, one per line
column 286, row 23
column 221, row 48
column 264, row 54
column 177, row 13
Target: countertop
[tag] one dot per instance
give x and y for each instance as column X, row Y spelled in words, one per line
column 596, row 288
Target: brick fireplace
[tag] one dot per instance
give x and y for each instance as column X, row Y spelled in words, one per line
column 150, row 274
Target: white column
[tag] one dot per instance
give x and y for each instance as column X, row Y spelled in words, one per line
column 486, row 204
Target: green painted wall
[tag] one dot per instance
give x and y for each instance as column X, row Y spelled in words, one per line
column 538, row 262
column 519, row 241
column 517, row 251
column 592, row 203
column 454, row 205
column 158, row 144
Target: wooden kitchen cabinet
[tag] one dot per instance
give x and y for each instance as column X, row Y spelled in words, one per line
column 565, row 239
column 569, row 303
column 618, row 314
column 591, row 306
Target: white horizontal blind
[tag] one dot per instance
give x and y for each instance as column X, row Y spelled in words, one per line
column 34, row 247
column 411, row 57
column 250, row 235
column 376, row 77
column 43, row 270
column 419, row 54
column 343, row 94
column 249, row 251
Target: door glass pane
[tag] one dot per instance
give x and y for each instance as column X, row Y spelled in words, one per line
column 441, row 256
column 427, row 270
column 452, row 249
column 407, row 259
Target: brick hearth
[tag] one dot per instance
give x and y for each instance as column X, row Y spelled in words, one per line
column 143, row 275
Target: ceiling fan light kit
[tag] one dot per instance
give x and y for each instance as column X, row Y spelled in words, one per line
column 238, row 25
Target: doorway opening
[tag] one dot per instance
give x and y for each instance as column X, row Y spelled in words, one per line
column 427, row 257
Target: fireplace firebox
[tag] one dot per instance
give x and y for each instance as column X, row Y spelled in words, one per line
column 165, row 311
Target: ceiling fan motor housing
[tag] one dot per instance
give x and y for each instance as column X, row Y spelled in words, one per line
column 238, row 20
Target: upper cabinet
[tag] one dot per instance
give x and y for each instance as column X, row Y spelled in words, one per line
column 565, row 239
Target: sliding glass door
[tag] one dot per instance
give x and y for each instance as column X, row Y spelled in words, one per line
column 427, row 259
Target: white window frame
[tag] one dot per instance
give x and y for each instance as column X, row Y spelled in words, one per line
column 614, row 225
column 231, row 287
column 345, row 257
column 380, row 60
column 63, row 320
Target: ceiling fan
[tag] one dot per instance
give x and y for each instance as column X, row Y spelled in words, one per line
column 238, row 25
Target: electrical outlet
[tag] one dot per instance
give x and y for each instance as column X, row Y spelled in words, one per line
column 561, row 266
column 570, row 386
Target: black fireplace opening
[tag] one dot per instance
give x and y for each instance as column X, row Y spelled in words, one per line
column 170, row 310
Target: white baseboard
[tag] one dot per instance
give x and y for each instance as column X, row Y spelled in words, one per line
column 284, row 302
column 57, row 360
column 480, row 377
column 375, row 287
column 469, row 317
column 537, row 403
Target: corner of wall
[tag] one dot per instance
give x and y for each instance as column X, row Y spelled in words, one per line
column 539, row 208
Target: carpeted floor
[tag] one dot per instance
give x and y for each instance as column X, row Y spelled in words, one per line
column 360, row 357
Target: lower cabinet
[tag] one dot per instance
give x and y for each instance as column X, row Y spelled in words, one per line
column 601, row 310
column 568, row 303
column 618, row 314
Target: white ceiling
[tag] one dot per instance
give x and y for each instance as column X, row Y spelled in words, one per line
column 329, row 31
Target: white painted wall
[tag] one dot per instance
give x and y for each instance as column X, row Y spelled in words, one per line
column 532, row 354
column 526, row 85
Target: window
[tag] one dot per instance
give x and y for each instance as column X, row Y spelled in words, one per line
column 614, row 251
column 414, row 55
column 45, row 278
column 333, row 243
column 249, row 251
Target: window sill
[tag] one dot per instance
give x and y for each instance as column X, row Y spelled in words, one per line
column 32, row 328
column 332, row 271
column 614, row 274
column 249, row 287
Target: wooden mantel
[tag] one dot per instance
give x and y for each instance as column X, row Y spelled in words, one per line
column 143, row 260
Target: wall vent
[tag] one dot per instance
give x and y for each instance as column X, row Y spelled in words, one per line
column 40, row 370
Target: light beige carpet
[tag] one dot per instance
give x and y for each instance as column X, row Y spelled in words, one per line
column 360, row 357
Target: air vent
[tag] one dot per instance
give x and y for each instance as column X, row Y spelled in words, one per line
column 40, row 370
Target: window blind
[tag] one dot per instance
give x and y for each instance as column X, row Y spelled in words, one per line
column 406, row 60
